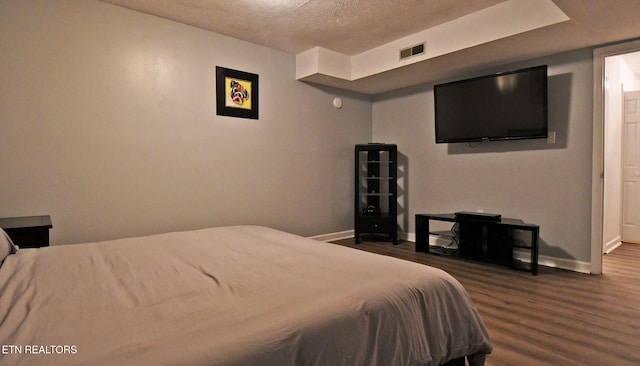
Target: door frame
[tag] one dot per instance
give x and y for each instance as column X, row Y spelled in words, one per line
column 598, row 161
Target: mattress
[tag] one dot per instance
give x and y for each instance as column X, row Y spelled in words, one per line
column 242, row 295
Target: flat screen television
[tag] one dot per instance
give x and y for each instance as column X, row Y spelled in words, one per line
column 505, row 106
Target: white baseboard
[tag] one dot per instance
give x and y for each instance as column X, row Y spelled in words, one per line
column 524, row 255
column 407, row 236
column 561, row 263
column 350, row 234
column 612, row 244
column 333, row 236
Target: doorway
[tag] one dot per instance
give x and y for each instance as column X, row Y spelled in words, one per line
column 607, row 177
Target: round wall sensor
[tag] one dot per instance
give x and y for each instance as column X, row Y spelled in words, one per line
column 337, row 102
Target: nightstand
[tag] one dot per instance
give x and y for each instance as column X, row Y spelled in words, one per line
column 28, row 231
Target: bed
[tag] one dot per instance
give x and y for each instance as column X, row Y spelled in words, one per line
column 240, row 295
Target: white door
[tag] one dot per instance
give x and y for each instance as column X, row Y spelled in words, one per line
column 631, row 168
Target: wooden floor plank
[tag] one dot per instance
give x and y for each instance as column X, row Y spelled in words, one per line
column 556, row 318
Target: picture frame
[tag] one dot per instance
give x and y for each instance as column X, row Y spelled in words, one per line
column 237, row 93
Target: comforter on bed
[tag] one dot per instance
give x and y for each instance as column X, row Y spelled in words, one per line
column 242, row 295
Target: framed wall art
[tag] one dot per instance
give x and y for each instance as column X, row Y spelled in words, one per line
column 236, row 93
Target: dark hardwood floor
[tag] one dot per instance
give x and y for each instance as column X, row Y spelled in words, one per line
column 555, row 318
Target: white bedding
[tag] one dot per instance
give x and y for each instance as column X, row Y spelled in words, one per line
column 241, row 295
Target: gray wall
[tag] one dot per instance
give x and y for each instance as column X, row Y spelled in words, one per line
column 108, row 123
column 548, row 185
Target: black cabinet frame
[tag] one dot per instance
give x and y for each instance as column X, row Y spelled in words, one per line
column 376, row 188
column 484, row 240
column 28, row 231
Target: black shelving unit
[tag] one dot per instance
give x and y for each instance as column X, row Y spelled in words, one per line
column 376, row 189
column 484, row 240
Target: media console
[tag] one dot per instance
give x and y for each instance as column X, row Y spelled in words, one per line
column 488, row 238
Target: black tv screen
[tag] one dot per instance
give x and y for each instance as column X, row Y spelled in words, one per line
column 504, row 106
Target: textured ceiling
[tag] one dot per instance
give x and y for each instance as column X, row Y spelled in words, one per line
column 345, row 26
column 353, row 26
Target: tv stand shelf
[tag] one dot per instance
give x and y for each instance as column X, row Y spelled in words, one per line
column 484, row 240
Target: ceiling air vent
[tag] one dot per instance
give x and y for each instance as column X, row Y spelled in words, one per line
column 412, row 51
